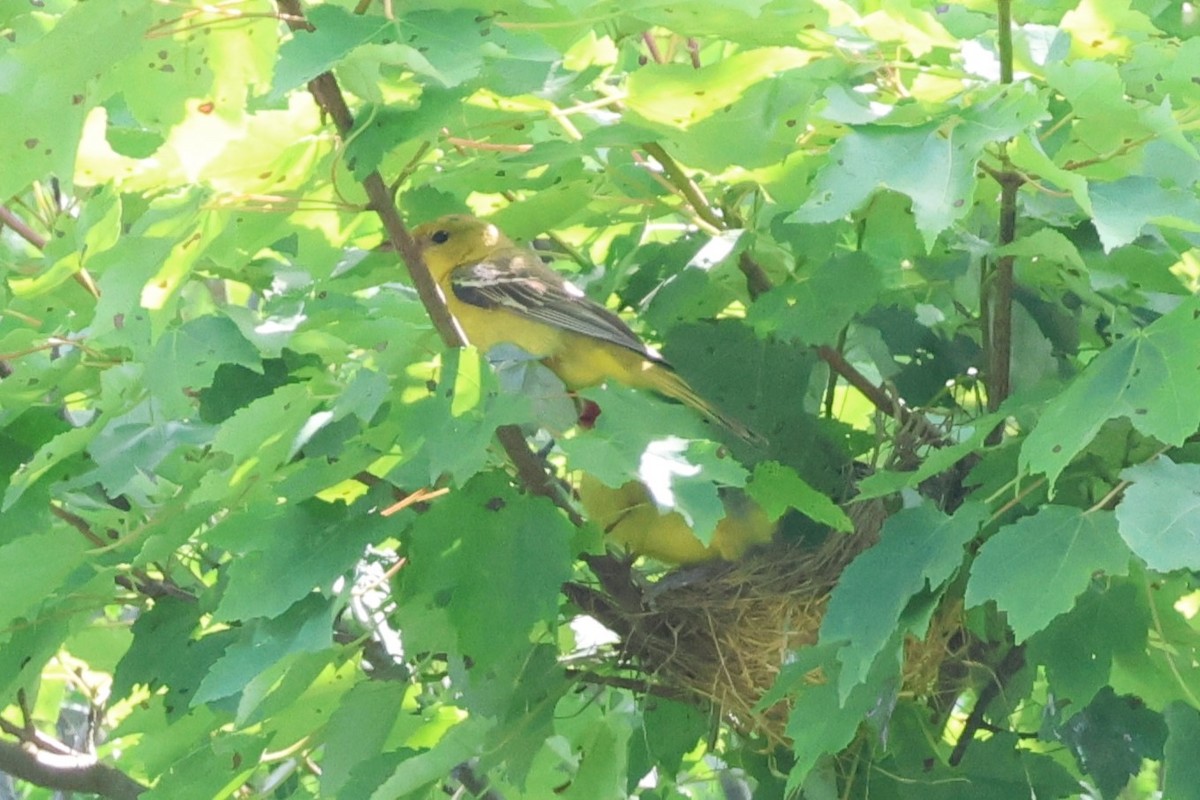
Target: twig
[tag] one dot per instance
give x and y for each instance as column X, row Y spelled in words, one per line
column 631, row 684
column 652, row 47
column 1010, row 666
column 328, row 94
column 7, row 217
column 73, row 772
column 691, row 192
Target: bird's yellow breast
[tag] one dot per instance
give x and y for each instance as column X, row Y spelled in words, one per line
column 578, row 360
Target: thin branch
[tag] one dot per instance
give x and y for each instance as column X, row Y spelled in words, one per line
column 75, row 772
column 7, row 217
column 328, row 95
column 78, row 523
column 1005, row 41
column 687, row 186
column 652, row 47
column 1010, row 666
column 631, row 684
column 1000, row 295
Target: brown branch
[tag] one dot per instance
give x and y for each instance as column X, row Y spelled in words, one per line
column 74, row 772
column 652, row 47
column 328, row 95
column 999, row 296
column 1010, row 666
column 78, row 523
column 7, row 217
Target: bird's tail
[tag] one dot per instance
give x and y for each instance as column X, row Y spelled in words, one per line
column 667, row 382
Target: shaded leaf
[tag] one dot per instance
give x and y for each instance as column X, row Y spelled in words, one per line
column 919, row 549
column 1158, row 515
column 1036, row 567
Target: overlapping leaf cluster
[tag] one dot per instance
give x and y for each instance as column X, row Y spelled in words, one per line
column 195, row 456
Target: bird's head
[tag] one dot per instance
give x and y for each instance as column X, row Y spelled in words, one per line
column 452, row 241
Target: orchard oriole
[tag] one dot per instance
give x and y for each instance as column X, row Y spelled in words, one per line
column 501, row 292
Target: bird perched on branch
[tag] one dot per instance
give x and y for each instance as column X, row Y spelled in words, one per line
column 502, row 293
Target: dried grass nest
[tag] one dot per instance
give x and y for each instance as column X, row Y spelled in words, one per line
column 720, row 633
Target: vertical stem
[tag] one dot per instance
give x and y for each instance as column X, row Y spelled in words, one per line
column 1000, row 354
column 999, row 285
column 1004, row 21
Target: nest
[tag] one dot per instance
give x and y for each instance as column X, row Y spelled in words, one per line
column 721, row 632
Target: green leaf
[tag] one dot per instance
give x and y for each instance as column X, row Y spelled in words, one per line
column 62, row 447
column 358, row 729
column 336, row 33
column 287, row 551
column 1036, row 567
column 187, row 357
column 40, row 562
column 1077, row 648
column 47, row 113
column 1181, row 754
column 304, row 628
column 1149, row 376
column 628, row 442
column 778, row 488
column 995, row 768
column 159, row 635
column 1123, row 209
column 681, row 96
column 261, row 437
column 820, row 721
column 493, row 561
column 919, row 549
column 818, row 306
column 1158, row 515
column 1110, row 738
column 422, row 769
column 27, row 650
column 933, row 163
column 126, row 450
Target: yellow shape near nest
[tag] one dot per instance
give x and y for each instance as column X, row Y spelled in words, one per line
column 630, row 519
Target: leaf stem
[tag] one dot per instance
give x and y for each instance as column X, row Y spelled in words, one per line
column 687, row 187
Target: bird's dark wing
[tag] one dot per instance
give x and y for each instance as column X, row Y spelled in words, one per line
column 516, row 279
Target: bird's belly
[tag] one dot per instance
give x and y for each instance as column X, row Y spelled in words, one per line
column 486, row 328
column 578, row 360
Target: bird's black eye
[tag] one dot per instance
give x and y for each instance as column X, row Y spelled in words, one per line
column 440, row 237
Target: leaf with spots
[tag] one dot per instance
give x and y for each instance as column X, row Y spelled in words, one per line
column 1152, row 377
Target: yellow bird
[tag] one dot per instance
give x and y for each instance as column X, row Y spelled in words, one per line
column 629, row 518
column 502, row 293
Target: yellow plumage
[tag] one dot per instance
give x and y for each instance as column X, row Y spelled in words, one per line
column 630, row 519
column 502, row 293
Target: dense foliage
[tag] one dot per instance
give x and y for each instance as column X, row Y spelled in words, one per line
column 956, row 242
